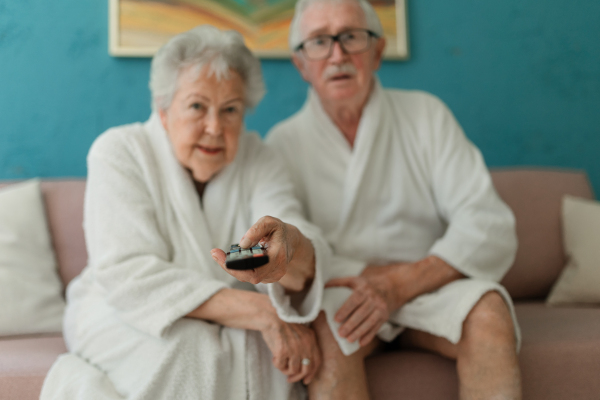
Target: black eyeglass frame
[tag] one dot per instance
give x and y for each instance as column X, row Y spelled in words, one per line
column 336, row 38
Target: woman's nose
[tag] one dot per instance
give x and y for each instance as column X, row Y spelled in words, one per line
column 213, row 124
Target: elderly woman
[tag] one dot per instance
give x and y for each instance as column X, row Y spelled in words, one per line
column 153, row 316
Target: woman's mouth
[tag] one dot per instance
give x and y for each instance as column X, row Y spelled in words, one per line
column 209, row 150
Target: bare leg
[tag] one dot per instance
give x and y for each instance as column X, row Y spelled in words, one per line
column 340, row 377
column 486, row 359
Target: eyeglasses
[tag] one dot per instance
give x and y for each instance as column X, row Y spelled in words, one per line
column 352, row 41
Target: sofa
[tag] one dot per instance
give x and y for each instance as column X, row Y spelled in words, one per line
column 560, row 354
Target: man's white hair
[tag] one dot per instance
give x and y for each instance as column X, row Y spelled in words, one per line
column 204, row 45
column 295, row 37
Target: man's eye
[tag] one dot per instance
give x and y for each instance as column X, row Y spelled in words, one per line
column 348, row 37
column 197, row 106
column 231, row 110
column 320, row 41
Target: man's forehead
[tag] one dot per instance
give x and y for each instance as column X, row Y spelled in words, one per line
column 332, row 17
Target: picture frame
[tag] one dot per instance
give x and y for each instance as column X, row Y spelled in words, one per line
column 137, row 28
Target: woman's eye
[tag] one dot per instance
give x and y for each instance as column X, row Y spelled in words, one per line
column 231, row 110
column 197, row 106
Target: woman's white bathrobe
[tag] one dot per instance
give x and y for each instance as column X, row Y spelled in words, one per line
column 411, row 186
column 149, row 240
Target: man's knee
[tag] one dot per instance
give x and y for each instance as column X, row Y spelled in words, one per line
column 489, row 321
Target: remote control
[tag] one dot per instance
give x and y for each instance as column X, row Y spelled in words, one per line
column 243, row 259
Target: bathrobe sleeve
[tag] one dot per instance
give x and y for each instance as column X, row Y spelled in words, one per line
column 480, row 240
column 274, row 196
column 128, row 251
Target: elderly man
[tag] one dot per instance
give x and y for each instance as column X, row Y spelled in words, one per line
column 406, row 200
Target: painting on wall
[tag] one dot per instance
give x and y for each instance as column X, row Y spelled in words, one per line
column 137, row 28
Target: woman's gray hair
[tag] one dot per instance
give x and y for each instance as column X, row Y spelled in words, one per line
column 199, row 47
column 295, row 37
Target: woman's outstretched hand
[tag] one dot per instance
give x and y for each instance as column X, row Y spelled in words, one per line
column 295, row 350
column 291, row 255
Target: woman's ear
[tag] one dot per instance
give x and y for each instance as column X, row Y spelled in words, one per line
column 164, row 118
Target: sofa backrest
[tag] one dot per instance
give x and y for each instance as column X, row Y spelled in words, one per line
column 535, row 196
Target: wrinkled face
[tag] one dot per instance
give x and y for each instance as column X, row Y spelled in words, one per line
column 204, row 121
column 341, row 76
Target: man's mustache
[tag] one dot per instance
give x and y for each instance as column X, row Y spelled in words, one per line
column 333, row 70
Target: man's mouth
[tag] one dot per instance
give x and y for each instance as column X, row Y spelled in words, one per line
column 209, row 150
column 340, row 77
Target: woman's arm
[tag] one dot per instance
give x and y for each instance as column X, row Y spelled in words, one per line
column 289, row 343
column 239, row 309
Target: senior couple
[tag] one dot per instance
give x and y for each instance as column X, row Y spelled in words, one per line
column 378, row 215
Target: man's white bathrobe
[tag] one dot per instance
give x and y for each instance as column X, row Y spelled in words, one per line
column 413, row 185
column 149, row 240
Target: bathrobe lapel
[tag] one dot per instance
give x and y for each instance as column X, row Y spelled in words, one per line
column 181, row 193
column 359, row 159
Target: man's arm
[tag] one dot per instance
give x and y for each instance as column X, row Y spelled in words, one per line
column 402, row 282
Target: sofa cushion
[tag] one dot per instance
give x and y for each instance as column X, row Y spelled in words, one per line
column 30, row 289
column 580, row 280
column 535, row 196
column 64, row 211
column 24, row 362
column 559, row 358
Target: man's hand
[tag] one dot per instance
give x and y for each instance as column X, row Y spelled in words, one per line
column 364, row 311
column 291, row 255
column 380, row 290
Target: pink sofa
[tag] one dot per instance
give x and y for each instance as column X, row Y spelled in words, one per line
column 560, row 356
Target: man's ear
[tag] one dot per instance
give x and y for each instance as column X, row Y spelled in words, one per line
column 379, row 48
column 299, row 63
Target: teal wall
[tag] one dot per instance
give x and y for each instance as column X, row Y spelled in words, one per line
column 522, row 76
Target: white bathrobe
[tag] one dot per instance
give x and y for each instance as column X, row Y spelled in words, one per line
column 412, row 186
column 149, row 239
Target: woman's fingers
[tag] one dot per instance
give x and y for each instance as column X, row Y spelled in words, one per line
column 264, row 227
column 309, row 369
column 294, row 365
column 280, row 362
column 315, row 364
column 219, row 256
column 302, row 373
column 272, row 232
